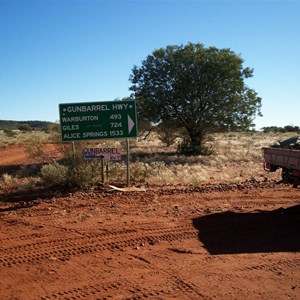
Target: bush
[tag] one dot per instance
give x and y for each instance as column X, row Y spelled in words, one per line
column 186, row 147
column 25, row 127
column 116, row 170
column 54, row 128
column 140, row 171
column 54, row 174
column 35, row 150
column 85, row 174
column 7, row 179
column 10, row 132
column 73, row 172
column 30, row 170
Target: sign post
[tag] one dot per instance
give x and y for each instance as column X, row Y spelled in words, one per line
column 127, row 163
column 99, row 121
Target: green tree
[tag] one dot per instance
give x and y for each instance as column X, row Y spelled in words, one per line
column 201, row 89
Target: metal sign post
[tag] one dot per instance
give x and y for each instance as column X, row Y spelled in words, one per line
column 102, row 171
column 128, row 163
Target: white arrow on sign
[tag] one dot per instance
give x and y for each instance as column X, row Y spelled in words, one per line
column 130, row 124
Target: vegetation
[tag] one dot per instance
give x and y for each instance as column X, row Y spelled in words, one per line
column 34, row 125
column 200, row 89
column 287, row 128
column 168, row 133
column 10, row 132
column 73, row 172
column 17, row 137
column 236, row 156
column 25, row 127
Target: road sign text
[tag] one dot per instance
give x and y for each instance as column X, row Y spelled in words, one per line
column 97, row 120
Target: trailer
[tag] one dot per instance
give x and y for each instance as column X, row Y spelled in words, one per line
column 285, row 156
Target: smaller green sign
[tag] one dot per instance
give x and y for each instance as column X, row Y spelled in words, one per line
column 97, row 120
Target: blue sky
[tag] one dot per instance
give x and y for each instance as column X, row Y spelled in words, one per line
column 75, row 51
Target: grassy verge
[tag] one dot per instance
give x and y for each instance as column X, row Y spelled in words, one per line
column 237, row 157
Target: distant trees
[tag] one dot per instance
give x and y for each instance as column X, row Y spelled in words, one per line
column 199, row 89
column 35, row 125
column 287, row 128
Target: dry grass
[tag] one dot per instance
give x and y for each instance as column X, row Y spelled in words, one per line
column 16, row 137
column 237, row 157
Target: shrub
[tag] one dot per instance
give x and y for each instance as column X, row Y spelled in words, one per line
column 55, row 127
column 140, row 171
column 35, row 150
column 30, row 170
column 54, row 174
column 10, row 132
column 25, row 127
column 73, row 171
column 116, row 171
column 7, row 179
column 187, row 148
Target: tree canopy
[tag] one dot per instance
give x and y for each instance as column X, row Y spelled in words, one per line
column 200, row 89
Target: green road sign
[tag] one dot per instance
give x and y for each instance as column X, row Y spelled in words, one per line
column 97, row 120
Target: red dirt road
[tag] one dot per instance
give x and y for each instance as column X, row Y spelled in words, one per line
column 15, row 154
column 217, row 241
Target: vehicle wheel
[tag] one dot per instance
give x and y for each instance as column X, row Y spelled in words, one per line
column 295, row 185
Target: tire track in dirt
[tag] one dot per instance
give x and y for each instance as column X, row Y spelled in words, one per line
column 175, row 290
column 56, row 241
column 110, row 290
column 177, row 284
column 186, row 288
column 173, row 287
column 65, row 248
column 275, row 267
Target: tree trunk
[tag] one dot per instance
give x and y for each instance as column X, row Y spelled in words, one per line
column 195, row 144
